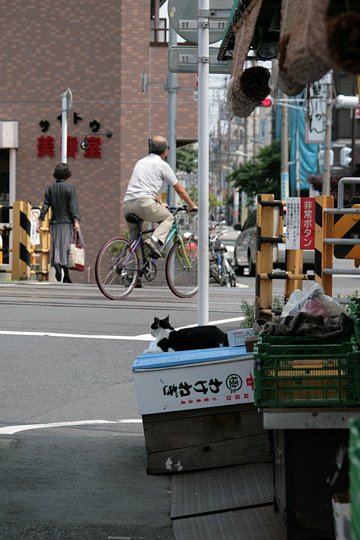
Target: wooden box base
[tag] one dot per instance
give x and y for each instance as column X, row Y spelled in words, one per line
column 200, row 439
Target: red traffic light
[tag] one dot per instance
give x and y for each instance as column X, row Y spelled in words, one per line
column 266, row 102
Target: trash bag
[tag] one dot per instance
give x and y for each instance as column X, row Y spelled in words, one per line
column 313, row 301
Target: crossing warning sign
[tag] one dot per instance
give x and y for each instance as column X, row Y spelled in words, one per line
column 347, row 226
column 300, row 223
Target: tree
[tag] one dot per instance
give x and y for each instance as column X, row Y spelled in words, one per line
column 186, row 159
column 261, row 174
column 213, row 200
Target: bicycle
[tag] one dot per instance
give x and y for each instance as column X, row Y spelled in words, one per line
column 121, row 262
column 220, row 267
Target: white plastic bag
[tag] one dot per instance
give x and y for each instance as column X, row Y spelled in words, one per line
column 312, row 301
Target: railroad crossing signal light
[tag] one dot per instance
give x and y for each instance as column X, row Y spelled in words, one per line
column 345, row 156
column 267, row 102
column 321, row 158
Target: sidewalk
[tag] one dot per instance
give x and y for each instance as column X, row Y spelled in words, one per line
column 226, row 503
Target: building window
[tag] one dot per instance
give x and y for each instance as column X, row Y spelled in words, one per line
column 159, row 34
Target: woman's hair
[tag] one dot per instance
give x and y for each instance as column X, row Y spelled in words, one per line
column 62, row 171
column 157, row 145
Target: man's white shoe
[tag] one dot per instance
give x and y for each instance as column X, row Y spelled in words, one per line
column 154, row 246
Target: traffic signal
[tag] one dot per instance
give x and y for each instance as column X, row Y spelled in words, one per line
column 267, row 102
column 345, row 156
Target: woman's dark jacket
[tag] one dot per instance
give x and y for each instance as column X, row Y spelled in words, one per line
column 62, row 199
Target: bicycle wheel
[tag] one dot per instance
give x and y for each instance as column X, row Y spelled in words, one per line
column 116, row 268
column 181, row 268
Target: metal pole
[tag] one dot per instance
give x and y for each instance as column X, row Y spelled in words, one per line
column 172, row 92
column 329, row 110
column 297, row 161
column 342, row 182
column 64, row 117
column 284, row 187
column 203, row 160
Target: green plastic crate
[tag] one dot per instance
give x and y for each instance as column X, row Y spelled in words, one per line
column 354, row 455
column 356, row 327
column 355, row 305
column 355, row 527
column 308, row 350
column 307, row 381
column 300, row 340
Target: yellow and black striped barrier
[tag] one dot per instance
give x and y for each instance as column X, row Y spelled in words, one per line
column 337, row 233
column 347, row 226
column 21, row 241
column 18, row 256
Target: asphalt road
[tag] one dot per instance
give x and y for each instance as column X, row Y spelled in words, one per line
column 72, row 452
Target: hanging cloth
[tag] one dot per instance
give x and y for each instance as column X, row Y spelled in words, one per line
column 303, row 50
column 246, row 88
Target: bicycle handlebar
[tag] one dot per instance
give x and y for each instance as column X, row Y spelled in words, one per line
column 175, row 209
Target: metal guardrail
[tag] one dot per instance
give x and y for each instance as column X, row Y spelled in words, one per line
column 344, row 226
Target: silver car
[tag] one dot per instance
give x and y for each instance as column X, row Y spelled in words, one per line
column 245, row 249
column 245, row 245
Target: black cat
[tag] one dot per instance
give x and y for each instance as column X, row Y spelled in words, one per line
column 198, row 337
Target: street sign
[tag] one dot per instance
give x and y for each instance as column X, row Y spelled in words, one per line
column 300, row 223
column 34, row 218
column 185, row 59
column 315, row 120
column 183, row 17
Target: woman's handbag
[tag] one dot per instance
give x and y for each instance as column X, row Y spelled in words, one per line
column 76, row 259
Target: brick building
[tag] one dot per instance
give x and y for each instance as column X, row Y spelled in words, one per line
column 102, row 51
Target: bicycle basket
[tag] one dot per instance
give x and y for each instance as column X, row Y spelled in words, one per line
column 186, row 222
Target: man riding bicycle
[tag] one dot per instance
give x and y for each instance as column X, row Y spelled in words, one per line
column 141, row 197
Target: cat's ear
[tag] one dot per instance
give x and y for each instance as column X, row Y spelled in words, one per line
column 156, row 320
column 167, row 318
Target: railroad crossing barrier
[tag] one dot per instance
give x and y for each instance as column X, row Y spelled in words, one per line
column 270, row 231
column 340, row 236
column 44, row 249
column 19, row 258
column 21, row 241
column 339, row 227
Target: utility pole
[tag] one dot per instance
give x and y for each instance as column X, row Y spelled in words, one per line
column 284, row 187
column 66, row 104
column 203, row 161
column 172, row 89
column 327, row 147
column 219, row 155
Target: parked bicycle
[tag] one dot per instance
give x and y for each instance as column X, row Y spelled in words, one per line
column 220, row 267
column 121, row 262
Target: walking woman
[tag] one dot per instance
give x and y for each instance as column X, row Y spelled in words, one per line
column 61, row 197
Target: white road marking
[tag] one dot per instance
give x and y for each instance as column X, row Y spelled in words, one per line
column 220, row 321
column 144, row 337
column 10, row 430
column 140, row 337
